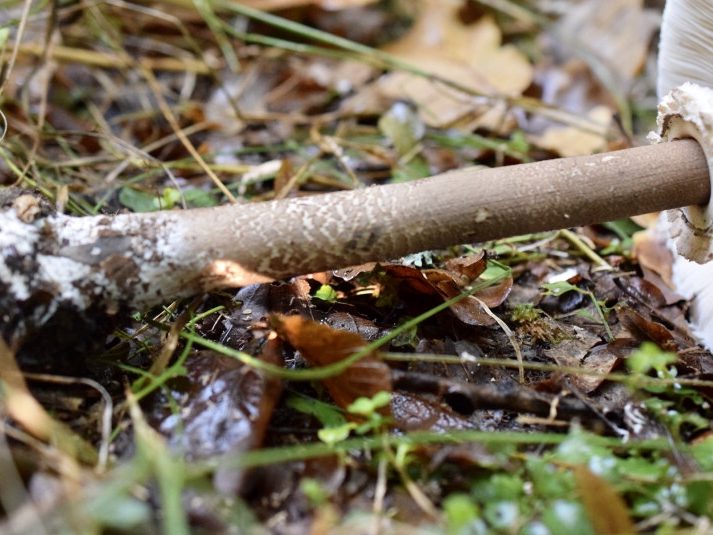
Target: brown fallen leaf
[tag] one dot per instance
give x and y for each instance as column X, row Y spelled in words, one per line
column 471, row 55
column 654, row 257
column 613, row 37
column 352, row 272
column 469, row 309
column 574, row 141
column 444, row 284
column 606, row 510
column 602, row 359
column 644, row 291
column 572, row 352
column 645, row 329
column 321, row 345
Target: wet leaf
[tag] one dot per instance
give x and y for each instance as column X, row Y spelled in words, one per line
column 644, row 291
column 413, row 411
column 225, row 406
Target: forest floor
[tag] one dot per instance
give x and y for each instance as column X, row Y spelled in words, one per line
column 538, row 384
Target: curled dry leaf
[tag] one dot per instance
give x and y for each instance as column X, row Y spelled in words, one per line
column 469, row 310
column 602, row 359
column 321, row 345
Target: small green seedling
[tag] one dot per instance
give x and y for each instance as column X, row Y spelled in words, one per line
column 368, row 409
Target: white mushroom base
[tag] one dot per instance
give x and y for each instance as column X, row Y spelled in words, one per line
column 687, row 112
column 695, row 282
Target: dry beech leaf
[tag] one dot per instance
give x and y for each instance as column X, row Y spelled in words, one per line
column 409, row 279
column 602, row 359
column 573, row 352
column 573, row 141
column 224, row 273
column 321, row 345
column 471, row 55
column 606, row 510
column 469, row 310
column 469, row 267
column 495, row 295
column 364, row 327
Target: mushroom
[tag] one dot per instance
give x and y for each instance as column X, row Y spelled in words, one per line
column 52, row 263
column 684, row 60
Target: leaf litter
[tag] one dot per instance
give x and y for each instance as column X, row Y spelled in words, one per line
column 507, row 387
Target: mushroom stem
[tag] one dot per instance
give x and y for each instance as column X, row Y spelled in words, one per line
column 146, row 259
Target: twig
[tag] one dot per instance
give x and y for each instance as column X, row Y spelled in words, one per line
column 468, row 397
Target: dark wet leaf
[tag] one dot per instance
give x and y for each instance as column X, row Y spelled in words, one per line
column 645, row 291
column 447, row 283
column 224, row 407
column 644, row 329
column 413, row 411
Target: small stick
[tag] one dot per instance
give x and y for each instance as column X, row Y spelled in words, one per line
column 141, row 260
